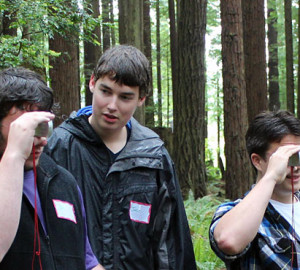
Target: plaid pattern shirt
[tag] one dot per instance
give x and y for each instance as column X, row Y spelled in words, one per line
column 271, row 248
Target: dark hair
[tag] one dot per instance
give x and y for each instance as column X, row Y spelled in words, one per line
column 269, row 127
column 126, row 65
column 20, row 85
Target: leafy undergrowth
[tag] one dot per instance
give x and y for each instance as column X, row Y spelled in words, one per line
column 200, row 213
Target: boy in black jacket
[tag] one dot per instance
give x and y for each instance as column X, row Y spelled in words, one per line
column 136, row 217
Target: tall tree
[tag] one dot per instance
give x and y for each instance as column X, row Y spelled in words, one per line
column 189, row 124
column 274, row 101
column 174, row 52
column 112, row 22
column 255, row 56
column 64, row 73
column 149, row 113
column 289, row 55
column 158, row 65
column 238, row 171
column 131, row 31
column 106, row 23
column 92, row 50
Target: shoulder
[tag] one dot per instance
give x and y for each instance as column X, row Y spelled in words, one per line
column 222, row 210
column 140, row 131
column 54, row 171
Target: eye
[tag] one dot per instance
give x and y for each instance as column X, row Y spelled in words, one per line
column 104, row 91
column 125, row 97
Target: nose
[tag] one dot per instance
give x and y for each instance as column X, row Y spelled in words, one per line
column 112, row 105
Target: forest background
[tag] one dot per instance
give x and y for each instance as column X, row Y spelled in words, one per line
column 215, row 65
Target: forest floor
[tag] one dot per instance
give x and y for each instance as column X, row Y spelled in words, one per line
column 200, row 213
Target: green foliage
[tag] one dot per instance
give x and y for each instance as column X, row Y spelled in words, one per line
column 35, row 22
column 200, row 213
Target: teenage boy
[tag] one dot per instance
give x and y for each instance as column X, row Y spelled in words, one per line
column 135, row 213
column 261, row 230
column 42, row 214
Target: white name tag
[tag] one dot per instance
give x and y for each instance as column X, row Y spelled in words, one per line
column 140, row 212
column 64, row 210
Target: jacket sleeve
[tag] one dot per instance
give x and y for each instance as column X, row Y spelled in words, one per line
column 173, row 239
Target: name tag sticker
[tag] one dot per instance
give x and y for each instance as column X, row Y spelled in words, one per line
column 140, row 212
column 64, row 210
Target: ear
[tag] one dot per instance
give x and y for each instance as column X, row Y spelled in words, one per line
column 92, row 83
column 256, row 161
column 141, row 101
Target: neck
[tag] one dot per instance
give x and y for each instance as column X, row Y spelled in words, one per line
column 115, row 141
column 286, row 198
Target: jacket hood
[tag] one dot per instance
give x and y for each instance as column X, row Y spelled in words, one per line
column 81, row 128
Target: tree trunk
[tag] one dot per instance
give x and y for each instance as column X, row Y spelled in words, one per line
column 289, row 56
column 189, row 127
column 131, row 31
column 158, row 65
column 105, row 22
column 92, row 52
column 274, row 101
column 149, row 113
column 238, row 175
column 112, row 23
column 174, row 56
column 64, row 72
column 255, row 56
column 64, row 75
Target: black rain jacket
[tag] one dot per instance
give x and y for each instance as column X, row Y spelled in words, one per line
column 135, row 212
column 58, row 251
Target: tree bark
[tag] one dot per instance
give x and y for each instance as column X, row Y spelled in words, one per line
column 149, row 111
column 255, row 56
column 274, row 101
column 189, row 127
column 92, row 52
column 174, row 55
column 105, row 22
column 238, row 175
column 289, row 56
column 64, row 76
column 158, row 65
column 64, row 72
column 112, row 23
column 131, row 24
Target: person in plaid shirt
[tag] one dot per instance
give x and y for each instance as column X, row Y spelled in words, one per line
column 262, row 229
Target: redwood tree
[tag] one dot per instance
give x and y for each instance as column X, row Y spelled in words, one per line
column 131, row 31
column 149, row 113
column 92, row 51
column 255, row 56
column 238, row 170
column 64, row 71
column 289, row 55
column 274, row 101
column 189, row 124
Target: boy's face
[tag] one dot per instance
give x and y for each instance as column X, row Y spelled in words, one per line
column 285, row 188
column 39, row 142
column 113, row 104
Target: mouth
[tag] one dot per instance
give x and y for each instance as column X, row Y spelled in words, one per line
column 110, row 117
column 295, row 178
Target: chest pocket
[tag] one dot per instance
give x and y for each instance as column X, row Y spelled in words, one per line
column 136, row 181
